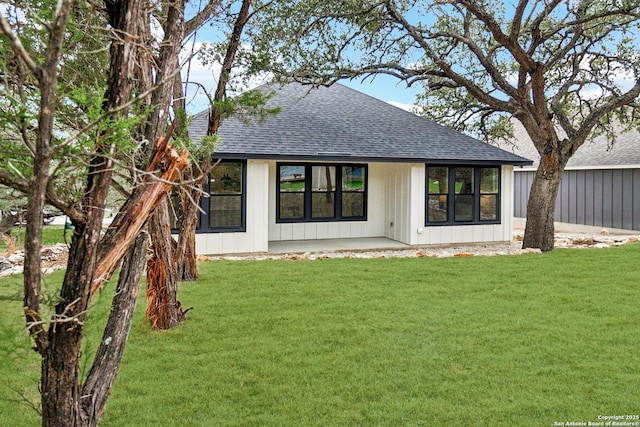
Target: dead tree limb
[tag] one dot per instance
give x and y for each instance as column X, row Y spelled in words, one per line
column 132, row 217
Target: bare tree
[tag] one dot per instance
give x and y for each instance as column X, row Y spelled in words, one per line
column 555, row 66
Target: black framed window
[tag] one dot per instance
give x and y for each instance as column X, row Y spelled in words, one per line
column 354, row 191
column 438, row 194
column 489, row 193
column 462, row 195
column 227, row 196
column 321, row 192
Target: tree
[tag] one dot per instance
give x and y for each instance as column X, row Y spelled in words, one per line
column 76, row 122
column 190, row 198
column 163, row 310
column 47, row 121
column 567, row 71
column 250, row 105
column 173, row 262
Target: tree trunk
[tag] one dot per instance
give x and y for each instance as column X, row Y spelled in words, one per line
column 61, row 398
column 59, row 378
column 189, row 201
column 97, row 387
column 164, row 311
column 186, row 249
column 60, row 387
column 541, row 207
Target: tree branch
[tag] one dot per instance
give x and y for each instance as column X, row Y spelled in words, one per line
column 496, row 75
column 18, row 47
column 134, row 214
column 17, row 183
column 48, row 80
column 494, row 28
column 227, row 65
column 594, row 117
column 536, row 35
column 201, row 17
column 562, row 53
column 445, row 67
column 516, row 23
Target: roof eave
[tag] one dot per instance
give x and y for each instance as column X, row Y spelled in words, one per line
column 346, row 158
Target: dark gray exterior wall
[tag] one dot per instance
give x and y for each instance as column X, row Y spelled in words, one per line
column 599, row 197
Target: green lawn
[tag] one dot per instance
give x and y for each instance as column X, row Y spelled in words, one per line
column 483, row 341
column 51, row 234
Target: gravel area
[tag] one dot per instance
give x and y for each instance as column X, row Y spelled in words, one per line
column 562, row 240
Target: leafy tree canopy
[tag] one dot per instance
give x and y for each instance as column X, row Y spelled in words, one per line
column 573, row 60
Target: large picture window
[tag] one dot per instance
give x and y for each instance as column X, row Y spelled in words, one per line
column 226, row 197
column 321, row 192
column 462, row 195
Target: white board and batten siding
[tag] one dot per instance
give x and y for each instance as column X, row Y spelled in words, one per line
column 255, row 238
column 399, row 200
column 419, row 234
column 396, row 210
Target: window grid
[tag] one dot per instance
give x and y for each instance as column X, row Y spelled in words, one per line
column 327, row 192
column 471, row 195
column 225, row 208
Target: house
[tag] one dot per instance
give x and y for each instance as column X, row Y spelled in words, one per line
column 600, row 185
column 338, row 164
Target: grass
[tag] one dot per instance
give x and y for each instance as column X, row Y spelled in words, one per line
column 51, row 234
column 515, row 340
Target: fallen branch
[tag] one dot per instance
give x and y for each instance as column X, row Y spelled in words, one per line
column 164, row 169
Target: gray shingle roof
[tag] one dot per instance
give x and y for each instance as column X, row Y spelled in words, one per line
column 598, row 153
column 339, row 123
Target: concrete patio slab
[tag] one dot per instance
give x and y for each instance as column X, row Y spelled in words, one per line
column 329, row 245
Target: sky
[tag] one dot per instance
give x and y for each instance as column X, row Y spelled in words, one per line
column 385, row 88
